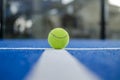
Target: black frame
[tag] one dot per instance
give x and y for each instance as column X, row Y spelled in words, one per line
column 1, row 20
column 103, row 20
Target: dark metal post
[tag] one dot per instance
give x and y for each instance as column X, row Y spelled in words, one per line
column 103, row 21
column 1, row 19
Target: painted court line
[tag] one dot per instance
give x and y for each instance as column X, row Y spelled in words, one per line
column 28, row 48
column 59, row 65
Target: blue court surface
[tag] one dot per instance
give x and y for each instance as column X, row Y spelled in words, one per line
column 81, row 60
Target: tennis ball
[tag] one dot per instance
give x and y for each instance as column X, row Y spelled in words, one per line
column 58, row 38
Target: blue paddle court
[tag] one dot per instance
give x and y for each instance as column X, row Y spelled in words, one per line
column 80, row 60
column 59, row 39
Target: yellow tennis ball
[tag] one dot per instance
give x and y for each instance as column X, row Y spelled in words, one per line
column 58, row 38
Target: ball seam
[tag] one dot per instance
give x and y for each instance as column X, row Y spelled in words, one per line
column 58, row 37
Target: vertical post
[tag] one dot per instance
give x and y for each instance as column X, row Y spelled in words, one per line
column 103, row 21
column 1, row 19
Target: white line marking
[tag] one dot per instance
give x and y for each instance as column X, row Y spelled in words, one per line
column 23, row 48
column 92, row 48
column 27, row 48
column 59, row 65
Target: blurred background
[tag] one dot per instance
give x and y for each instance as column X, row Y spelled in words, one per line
column 84, row 19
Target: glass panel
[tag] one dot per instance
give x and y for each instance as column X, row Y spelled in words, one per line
column 113, row 26
column 35, row 18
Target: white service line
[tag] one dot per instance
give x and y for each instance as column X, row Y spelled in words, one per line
column 59, row 65
column 23, row 48
column 92, row 48
column 30, row 48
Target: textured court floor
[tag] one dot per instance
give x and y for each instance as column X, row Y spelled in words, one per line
column 83, row 59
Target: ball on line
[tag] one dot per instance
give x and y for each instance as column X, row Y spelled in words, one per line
column 58, row 38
